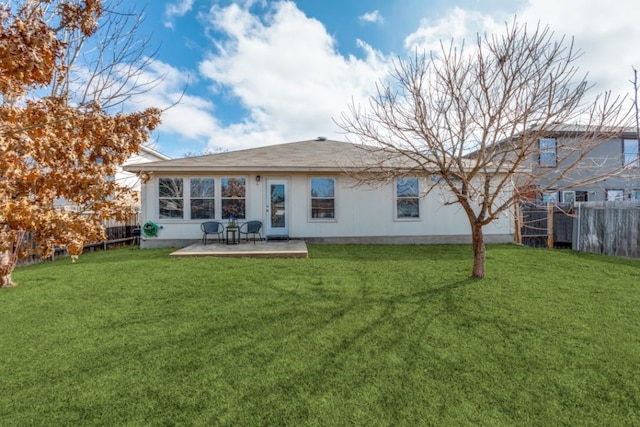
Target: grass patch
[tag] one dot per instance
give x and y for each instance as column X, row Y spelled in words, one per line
column 360, row 335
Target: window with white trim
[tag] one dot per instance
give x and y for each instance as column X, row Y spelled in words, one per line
column 233, row 198
column 630, row 153
column 323, row 201
column 548, row 147
column 550, row 198
column 568, row 197
column 203, row 202
column 615, row 195
column 407, row 198
column 171, row 198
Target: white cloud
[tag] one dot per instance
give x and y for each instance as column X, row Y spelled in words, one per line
column 607, row 33
column 372, row 17
column 176, row 10
column 185, row 115
column 284, row 69
column 457, row 25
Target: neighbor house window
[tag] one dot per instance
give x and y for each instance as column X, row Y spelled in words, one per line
column 569, row 197
column 233, row 198
column 547, row 152
column 550, row 198
column 407, row 198
column 615, row 195
column 323, row 202
column 634, row 194
column 631, row 153
column 202, row 198
column 582, row 196
column 171, row 198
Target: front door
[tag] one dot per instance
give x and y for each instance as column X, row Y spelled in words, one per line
column 277, row 208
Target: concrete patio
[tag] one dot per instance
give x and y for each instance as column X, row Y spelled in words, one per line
column 269, row 249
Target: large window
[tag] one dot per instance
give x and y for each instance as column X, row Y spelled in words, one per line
column 203, row 198
column 631, row 153
column 407, row 198
column 323, row 202
column 171, row 198
column 233, row 196
column 548, row 152
column 615, row 195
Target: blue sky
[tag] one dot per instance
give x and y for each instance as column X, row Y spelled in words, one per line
column 252, row 73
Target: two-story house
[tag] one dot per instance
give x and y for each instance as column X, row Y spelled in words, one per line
column 577, row 165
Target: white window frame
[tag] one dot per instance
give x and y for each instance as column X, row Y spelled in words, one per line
column 199, row 197
column 630, row 153
column 615, row 195
column 186, row 197
column 312, row 198
column 180, row 198
column 548, row 150
column 571, row 195
column 223, row 198
column 397, row 198
column 549, row 197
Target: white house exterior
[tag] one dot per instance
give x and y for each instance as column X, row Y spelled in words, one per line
column 146, row 155
column 124, row 177
column 300, row 190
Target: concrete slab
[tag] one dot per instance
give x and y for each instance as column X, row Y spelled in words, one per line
column 271, row 249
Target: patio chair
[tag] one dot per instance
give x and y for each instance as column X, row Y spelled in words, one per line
column 211, row 227
column 251, row 227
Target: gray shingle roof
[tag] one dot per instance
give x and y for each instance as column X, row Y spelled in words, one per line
column 314, row 155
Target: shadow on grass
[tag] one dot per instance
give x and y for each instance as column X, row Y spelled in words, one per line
column 349, row 347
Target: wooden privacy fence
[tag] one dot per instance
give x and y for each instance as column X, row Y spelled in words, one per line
column 117, row 233
column 545, row 226
column 609, row 228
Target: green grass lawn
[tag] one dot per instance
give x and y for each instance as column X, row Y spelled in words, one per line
column 354, row 335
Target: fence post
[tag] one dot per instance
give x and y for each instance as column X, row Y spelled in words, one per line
column 577, row 232
column 550, row 225
column 517, row 235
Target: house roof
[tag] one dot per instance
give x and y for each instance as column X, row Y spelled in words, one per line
column 154, row 153
column 314, row 155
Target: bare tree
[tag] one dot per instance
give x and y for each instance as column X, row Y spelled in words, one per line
column 472, row 121
column 110, row 66
column 636, row 106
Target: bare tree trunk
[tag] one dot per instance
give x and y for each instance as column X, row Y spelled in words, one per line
column 5, row 272
column 478, row 251
column 9, row 260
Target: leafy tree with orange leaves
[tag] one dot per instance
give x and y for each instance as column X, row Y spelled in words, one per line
column 58, row 138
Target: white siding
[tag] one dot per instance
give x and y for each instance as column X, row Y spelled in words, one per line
column 361, row 212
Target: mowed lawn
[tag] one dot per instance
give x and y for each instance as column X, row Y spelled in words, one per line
column 354, row 335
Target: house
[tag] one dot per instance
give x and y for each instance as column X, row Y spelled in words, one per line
column 131, row 180
column 123, row 177
column 608, row 171
column 300, row 190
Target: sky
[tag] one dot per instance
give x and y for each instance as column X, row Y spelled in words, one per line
column 238, row 74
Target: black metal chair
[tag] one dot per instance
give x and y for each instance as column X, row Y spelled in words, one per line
column 251, row 227
column 211, row 227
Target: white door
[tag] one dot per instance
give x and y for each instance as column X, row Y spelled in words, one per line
column 277, row 208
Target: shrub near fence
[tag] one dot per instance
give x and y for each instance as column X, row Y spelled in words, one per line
column 609, row 228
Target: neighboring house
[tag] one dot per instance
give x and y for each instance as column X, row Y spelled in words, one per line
column 300, row 190
column 146, row 155
column 617, row 152
column 123, row 177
